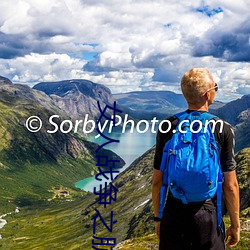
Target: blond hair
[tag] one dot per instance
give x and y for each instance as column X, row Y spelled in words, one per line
column 195, row 83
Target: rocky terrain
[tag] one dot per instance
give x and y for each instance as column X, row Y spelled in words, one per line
column 4, row 80
column 231, row 111
column 77, row 97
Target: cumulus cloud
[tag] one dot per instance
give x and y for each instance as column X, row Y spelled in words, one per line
column 34, row 68
column 231, row 45
column 140, row 45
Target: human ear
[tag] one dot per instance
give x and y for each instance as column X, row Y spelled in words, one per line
column 207, row 95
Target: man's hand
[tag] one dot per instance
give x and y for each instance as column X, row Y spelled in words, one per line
column 156, row 187
column 157, row 228
column 233, row 236
column 232, row 200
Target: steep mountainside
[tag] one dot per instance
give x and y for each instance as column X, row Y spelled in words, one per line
column 32, row 163
column 243, row 174
column 132, row 210
column 242, row 130
column 4, row 80
column 237, row 114
column 216, row 105
column 232, row 110
column 77, row 97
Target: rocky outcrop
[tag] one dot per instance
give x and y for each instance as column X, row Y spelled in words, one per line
column 77, row 97
column 243, row 175
column 18, row 102
column 232, row 110
column 242, row 130
column 4, row 80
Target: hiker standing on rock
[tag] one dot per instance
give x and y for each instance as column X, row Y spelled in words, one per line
column 193, row 165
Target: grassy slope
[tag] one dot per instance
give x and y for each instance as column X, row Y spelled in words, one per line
column 30, row 166
column 57, row 224
column 26, row 172
column 54, row 225
column 69, row 225
column 32, row 163
column 150, row 242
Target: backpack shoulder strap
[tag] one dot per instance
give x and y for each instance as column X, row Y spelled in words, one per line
column 208, row 116
column 182, row 115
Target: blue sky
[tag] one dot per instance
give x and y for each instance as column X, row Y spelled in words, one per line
column 126, row 45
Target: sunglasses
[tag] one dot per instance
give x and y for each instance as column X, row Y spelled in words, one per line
column 216, row 87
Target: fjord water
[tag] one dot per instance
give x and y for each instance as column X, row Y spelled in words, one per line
column 130, row 147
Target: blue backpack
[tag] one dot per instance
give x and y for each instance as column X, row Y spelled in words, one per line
column 191, row 162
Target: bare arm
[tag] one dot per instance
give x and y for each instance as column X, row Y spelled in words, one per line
column 156, row 187
column 232, row 200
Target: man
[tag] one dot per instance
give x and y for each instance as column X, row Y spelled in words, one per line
column 194, row 225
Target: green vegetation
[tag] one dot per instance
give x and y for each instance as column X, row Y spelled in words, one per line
column 32, row 183
column 244, row 236
column 148, row 242
column 38, row 172
column 61, row 224
column 36, row 168
column 243, row 175
column 32, row 163
column 49, row 225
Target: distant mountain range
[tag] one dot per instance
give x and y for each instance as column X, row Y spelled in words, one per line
column 76, row 98
column 79, row 97
column 149, row 104
column 161, row 104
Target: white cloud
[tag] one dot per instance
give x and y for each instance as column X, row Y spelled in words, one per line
column 140, row 44
column 34, row 68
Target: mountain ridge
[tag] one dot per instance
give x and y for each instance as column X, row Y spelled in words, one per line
column 77, row 97
column 58, row 158
column 230, row 111
column 4, row 80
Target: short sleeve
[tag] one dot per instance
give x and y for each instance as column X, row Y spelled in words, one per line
column 228, row 162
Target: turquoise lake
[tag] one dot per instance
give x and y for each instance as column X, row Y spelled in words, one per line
column 130, row 147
